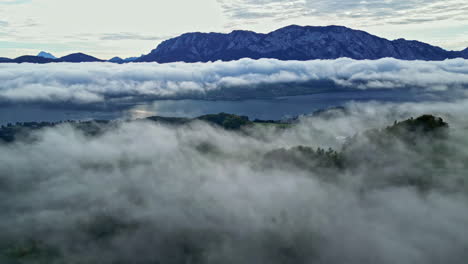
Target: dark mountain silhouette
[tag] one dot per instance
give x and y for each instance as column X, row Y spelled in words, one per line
column 32, row 59
column 78, row 57
column 121, row 61
column 117, row 60
column 293, row 43
column 75, row 57
column 464, row 53
column 3, row 60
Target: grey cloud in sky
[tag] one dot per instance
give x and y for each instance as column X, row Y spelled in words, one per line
column 396, row 11
column 35, row 22
column 130, row 36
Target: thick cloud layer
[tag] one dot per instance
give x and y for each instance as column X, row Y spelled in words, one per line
column 95, row 82
column 148, row 193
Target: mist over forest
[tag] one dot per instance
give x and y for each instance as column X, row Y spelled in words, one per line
column 366, row 183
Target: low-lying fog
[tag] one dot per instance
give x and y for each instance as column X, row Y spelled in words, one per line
column 87, row 83
column 144, row 192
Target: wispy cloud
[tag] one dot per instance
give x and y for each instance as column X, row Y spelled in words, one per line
column 369, row 12
column 130, row 36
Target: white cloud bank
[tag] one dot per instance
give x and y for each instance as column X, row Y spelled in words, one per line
column 95, row 82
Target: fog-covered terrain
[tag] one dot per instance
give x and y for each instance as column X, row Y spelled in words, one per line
column 181, row 191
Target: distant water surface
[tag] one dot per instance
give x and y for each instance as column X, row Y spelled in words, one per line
column 277, row 108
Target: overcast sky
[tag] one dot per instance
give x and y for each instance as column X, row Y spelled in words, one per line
column 107, row 28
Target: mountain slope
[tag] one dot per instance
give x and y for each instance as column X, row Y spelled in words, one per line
column 119, row 60
column 32, row 59
column 78, row 57
column 75, row 58
column 464, row 53
column 292, row 43
column 46, row 55
column 5, row 60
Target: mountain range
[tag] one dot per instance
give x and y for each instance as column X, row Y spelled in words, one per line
column 42, row 57
column 293, row 43
column 121, row 61
column 288, row 43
